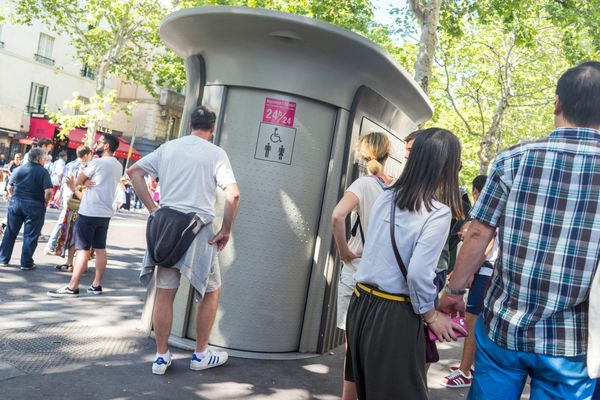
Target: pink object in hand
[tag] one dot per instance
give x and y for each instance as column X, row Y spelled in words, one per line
column 456, row 320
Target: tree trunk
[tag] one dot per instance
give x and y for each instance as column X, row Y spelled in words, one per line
column 108, row 60
column 489, row 141
column 429, row 17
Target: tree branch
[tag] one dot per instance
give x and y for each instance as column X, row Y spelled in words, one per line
column 418, row 9
column 454, row 106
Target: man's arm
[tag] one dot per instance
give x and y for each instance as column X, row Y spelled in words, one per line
column 468, row 261
column 232, row 203
column 136, row 175
column 10, row 189
column 47, row 196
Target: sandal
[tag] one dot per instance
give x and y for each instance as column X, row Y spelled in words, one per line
column 64, row 268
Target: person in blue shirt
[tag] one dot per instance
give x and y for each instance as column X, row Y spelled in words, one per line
column 30, row 190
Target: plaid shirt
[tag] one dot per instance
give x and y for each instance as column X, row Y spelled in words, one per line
column 544, row 196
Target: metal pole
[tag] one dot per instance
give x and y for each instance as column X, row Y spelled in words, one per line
column 130, row 147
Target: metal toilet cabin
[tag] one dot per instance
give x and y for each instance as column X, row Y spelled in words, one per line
column 292, row 95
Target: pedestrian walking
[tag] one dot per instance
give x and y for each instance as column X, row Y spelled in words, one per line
column 29, row 190
column 543, row 197
column 191, row 162
column 372, row 150
column 395, row 294
column 95, row 211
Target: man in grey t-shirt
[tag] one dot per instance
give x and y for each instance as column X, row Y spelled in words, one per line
column 95, row 212
column 190, row 169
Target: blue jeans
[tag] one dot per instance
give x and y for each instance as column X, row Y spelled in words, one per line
column 32, row 214
column 501, row 373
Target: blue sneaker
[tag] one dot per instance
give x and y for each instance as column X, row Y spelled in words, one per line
column 160, row 365
column 212, row 359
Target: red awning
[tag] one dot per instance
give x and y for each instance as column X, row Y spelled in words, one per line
column 76, row 139
column 39, row 128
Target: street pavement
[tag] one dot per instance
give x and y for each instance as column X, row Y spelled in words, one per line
column 93, row 347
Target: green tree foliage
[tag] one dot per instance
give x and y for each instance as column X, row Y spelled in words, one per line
column 494, row 91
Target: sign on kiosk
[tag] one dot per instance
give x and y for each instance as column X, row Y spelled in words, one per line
column 279, row 112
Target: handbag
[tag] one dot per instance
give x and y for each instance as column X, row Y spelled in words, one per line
column 169, row 234
column 593, row 347
column 73, row 203
column 431, row 352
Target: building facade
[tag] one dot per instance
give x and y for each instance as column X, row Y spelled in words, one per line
column 39, row 72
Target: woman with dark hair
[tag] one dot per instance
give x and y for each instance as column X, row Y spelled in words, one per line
column 395, row 295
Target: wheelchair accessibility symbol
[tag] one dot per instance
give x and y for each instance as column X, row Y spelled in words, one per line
column 275, row 138
column 275, row 143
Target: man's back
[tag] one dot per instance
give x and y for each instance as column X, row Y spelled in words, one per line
column 97, row 200
column 189, row 170
column 549, row 240
column 30, row 181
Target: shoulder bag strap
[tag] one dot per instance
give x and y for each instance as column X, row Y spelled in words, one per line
column 393, row 236
column 358, row 226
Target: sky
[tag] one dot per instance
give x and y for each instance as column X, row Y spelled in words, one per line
column 382, row 7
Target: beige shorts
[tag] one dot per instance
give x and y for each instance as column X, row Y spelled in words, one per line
column 168, row 278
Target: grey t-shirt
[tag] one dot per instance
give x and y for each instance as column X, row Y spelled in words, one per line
column 189, row 169
column 97, row 200
column 420, row 237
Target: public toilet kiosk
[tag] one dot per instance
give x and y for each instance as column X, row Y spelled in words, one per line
column 292, row 95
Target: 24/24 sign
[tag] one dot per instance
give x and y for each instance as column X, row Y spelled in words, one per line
column 279, row 112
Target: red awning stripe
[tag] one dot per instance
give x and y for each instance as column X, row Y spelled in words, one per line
column 76, row 139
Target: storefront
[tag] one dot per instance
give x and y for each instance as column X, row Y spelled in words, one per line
column 40, row 127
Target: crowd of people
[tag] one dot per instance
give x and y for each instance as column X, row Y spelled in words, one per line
column 527, row 249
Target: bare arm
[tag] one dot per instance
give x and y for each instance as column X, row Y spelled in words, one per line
column 232, row 203
column 10, row 189
column 136, row 175
column 468, row 261
column 338, row 221
column 47, row 196
column 81, row 178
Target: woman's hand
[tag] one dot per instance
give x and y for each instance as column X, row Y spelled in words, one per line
column 443, row 327
column 347, row 256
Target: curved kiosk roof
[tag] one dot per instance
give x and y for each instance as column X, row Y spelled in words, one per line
column 273, row 50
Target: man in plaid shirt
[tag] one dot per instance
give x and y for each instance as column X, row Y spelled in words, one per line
column 544, row 196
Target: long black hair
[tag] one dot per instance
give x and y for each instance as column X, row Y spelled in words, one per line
column 431, row 173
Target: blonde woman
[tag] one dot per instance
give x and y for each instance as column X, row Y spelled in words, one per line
column 372, row 151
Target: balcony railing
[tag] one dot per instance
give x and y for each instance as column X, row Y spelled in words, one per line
column 88, row 73
column 35, row 109
column 43, row 60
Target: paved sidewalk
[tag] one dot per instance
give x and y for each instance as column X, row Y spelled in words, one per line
column 92, row 347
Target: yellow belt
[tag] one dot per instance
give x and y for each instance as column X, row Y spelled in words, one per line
column 377, row 293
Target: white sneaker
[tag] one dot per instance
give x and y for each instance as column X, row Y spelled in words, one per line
column 160, row 365
column 212, row 359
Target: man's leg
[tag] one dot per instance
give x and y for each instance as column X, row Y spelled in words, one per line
column 14, row 221
column 99, row 245
column 81, row 261
column 205, row 318
column 34, row 221
column 101, row 261
column 468, row 355
column 500, row 373
column 204, row 357
column 162, row 318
